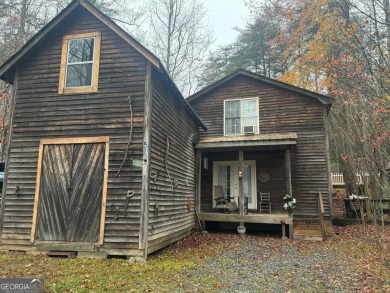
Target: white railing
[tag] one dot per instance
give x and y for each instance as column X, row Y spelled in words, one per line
column 338, row 178
column 362, row 178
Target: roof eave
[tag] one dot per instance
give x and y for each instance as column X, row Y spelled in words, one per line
column 14, row 59
column 8, row 67
column 185, row 102
column 322, row 98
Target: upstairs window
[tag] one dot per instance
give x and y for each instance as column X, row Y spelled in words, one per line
column 80, row 63
column 241, row 116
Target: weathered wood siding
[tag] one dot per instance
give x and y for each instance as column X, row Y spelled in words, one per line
column 172, row 184
column 280, row 111
column 71, row 192
column 41, row 113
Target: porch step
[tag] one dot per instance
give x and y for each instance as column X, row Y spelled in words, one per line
column 310, row 232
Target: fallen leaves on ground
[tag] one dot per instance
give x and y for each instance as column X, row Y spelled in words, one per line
column 354, row 260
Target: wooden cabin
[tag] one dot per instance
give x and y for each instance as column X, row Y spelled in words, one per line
column 263, row 136
column 101, row 155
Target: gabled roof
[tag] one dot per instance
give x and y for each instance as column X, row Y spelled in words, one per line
column 241, row 72
column 7, row 69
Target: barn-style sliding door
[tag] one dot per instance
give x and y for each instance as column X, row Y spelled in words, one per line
column 71, row 190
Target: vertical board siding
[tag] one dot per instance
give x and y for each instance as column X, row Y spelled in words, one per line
column 168, row 209
column 280, row 111
column 41, row 113
column 71, row 192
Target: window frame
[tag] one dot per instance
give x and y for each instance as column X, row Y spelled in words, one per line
column 62, row 89
column 234, row 180
column 257, row 128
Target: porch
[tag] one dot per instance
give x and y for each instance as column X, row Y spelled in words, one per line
column 275, row 219
column 241, row 169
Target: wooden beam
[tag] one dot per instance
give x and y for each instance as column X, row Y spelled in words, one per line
column 8, row 152
column 321, row 212
column 291, row 226
column 36, row 197
column 65, row 246
column 148, row 104
column 251, row 218
column 198, row 180
column 75, row 140
column 240, row 183
column 327, row 155
column 287, row 156
column 246, row 143
column 104, row 195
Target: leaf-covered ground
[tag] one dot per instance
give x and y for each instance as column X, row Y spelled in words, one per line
column 352, row 261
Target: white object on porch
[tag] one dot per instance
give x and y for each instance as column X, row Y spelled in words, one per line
column 338, row 178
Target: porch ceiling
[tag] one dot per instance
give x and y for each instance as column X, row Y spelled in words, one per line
column 248, row 140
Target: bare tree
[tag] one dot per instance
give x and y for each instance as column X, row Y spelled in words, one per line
column 179, row 38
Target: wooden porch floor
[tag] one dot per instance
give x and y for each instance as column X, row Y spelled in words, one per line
column 276, row 219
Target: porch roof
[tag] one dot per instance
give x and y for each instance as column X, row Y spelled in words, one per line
column 248, row 140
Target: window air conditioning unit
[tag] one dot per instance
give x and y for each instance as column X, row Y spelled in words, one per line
column 249, row 129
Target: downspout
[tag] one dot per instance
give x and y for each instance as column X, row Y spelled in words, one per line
column 144, row 208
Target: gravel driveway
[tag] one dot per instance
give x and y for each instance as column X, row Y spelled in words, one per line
column 269, row 264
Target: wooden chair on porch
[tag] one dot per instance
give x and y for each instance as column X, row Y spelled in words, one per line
column 265, row 202
column 220, row 200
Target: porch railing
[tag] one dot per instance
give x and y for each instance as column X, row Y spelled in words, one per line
column 338, row 178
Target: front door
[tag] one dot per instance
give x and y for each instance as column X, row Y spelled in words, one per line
column 225, row 174
column 70, row 196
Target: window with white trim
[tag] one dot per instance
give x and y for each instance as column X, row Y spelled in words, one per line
column 80, row 63
column 241, row 116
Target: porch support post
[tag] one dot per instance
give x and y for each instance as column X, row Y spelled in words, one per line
column 198, row 184
column 145, row 185
column 288, row 171
column 240, row 184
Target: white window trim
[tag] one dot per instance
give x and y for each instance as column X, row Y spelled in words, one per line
column 257, row 128
column 234, row 180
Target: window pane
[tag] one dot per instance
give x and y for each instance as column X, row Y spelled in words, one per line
column 250, row 112
column 224, row 179
column 80, row 50
column 248, row 121
column 249, row 108
column 232, row 117
column 79, row 75
column 232, row 126
column 247, row 183
column 232, row 109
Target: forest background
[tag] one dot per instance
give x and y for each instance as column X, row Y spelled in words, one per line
column 339, row 48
